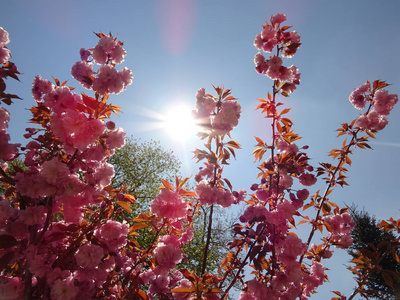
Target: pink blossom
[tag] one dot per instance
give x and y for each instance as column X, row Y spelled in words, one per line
column 262, row 195
column 104, row 174
column 4, row 118
column 75, row 129
column 186, row 236
column 5, row 54
column 294, row 37
column 107, row 48
column 258, row 42
column 147, row 276
column 268, row 34
column 167, row 254
column 8, row 151
column 33, row 215
column 358, row 98
column 259, row 290
column 292, row 247
column 126, row 76
column 372, row 121
column 274, row 68
column 106, row 75
column 225, row 198
column 302, row 194
column 227, row 118
column 247, row 296
column 72, row 214
column 278, row 19
column 61, row 98
column 159, row 285
column 116, row 139
column 109, row 80
column 71, row 185
column 205, row 172
column 307, row 179
column 267, row 40
column 83, row 71
column 255, row 213
column 239, row 196
column 181, row 296
column 117, row 54
column 31, row 184
column 107, row 43
column 205, row 106
column 11, row 288
column 285, row 181
column 313, row 280
column 261, row 64
column 40, row 86
column 99, row 55
column 384, row 102
column 4, row 37
column 53, row 171
column 206, row 193
column 286, row 147
column 168, row 205
column 112, row 234
column 64, row 289
column 285, row 210
column 84, row 54
column 340, row 227
column 95, row 153
column 89, row 256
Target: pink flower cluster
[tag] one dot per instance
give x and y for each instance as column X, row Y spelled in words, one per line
column 106, row 53
column 8, row 151
column 162, row 278
column 273, row 35
column 219, row 116
column 382, row 101
column 11, row 288
column 169, row 205
column 112, row 234
column 209, row 195
column 274, row 69
column 286, row 42
column 5, row 53
column 340, row 227
column 358, row 96
column 67, row 175
column 227, row 117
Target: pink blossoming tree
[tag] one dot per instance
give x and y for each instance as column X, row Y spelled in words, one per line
column 60, row 237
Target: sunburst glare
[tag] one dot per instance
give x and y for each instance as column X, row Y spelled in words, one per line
column 176, row 120
column 179, row 123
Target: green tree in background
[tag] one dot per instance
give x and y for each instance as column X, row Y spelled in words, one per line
column 381, row 276
column 141, row 166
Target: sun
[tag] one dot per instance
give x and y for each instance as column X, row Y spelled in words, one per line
column 179, row 123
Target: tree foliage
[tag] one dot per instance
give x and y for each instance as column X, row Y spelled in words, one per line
column 370, row 241
column 141, row 166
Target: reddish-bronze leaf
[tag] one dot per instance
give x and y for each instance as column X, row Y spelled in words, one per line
column 125, row 206
column 166, row 184
column 137, row 226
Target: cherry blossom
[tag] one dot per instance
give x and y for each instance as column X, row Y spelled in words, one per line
column 168, row 205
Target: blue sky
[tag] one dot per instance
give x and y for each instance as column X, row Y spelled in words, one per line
column 176, row 47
